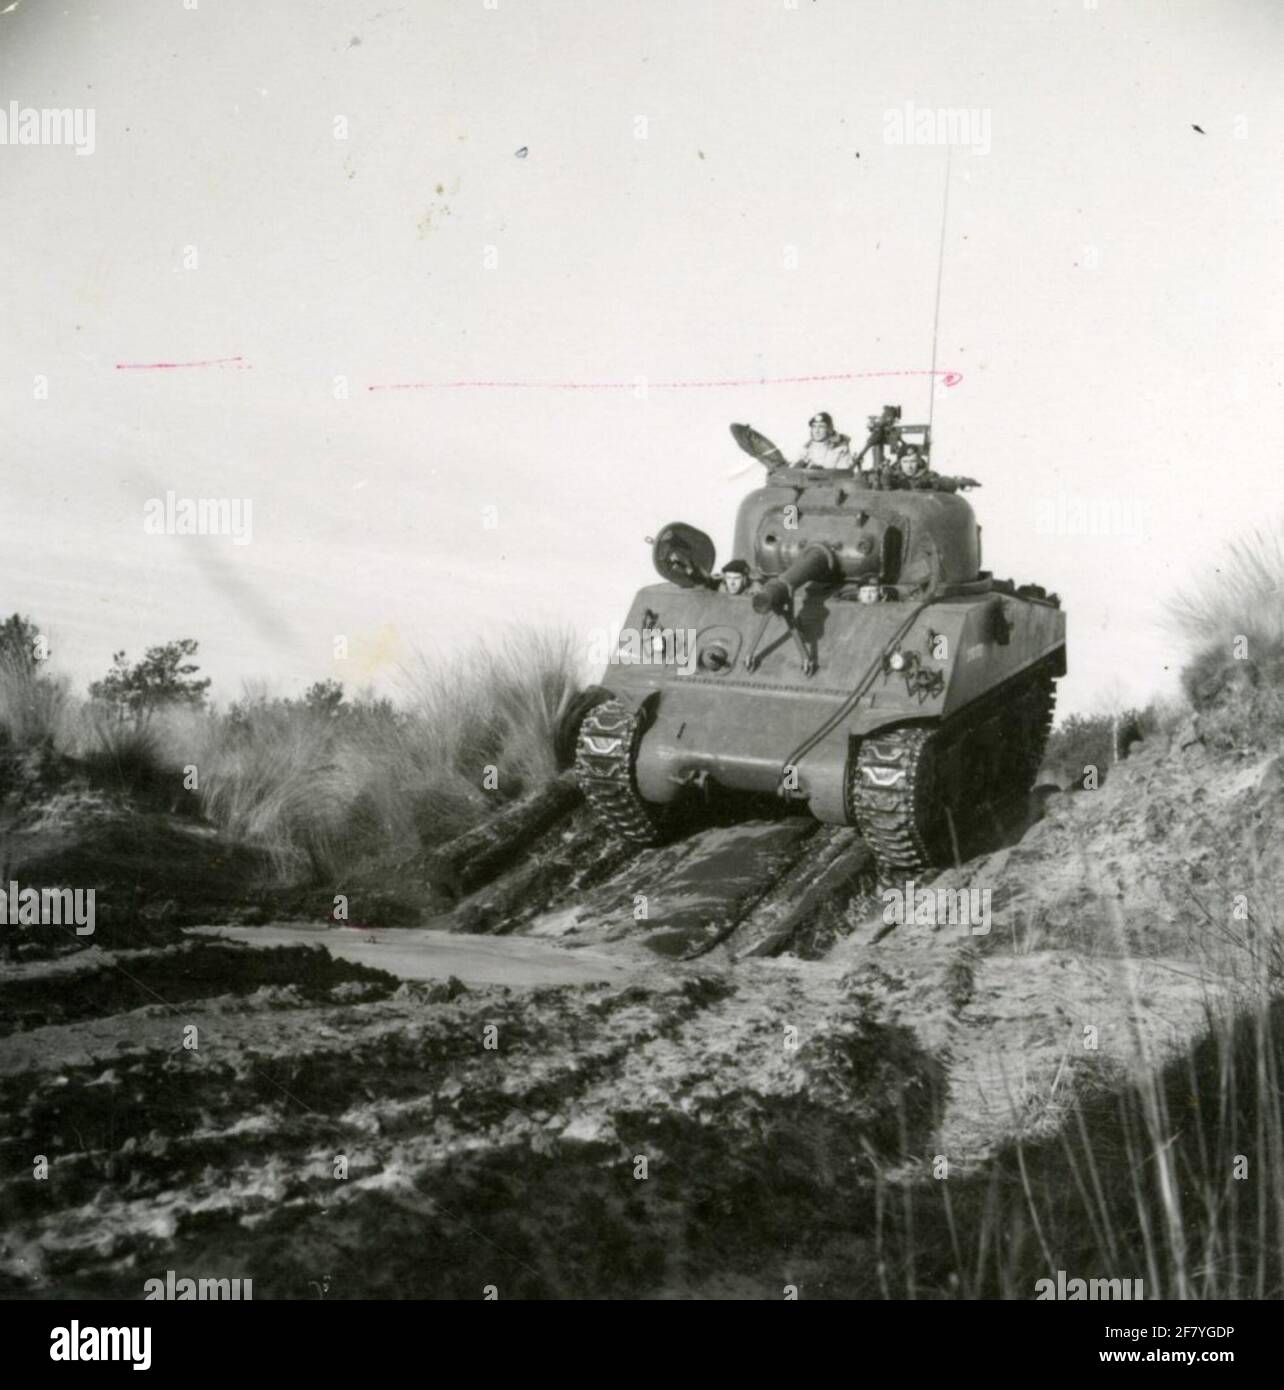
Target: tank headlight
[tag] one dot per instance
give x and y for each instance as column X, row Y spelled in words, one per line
column 897, row 661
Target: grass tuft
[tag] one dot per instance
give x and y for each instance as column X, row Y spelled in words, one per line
column 1234, row 625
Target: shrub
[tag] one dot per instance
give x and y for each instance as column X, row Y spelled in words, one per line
column 122, row 751
column 1079, row 741
column 166, row 675
column 22, row 644
column 1098, row 740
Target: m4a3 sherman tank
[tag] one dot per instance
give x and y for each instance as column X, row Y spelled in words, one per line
column 855, row 659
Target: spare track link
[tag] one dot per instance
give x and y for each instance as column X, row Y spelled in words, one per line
column 889, row 793
column 605, row 753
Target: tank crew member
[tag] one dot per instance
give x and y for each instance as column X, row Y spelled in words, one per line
column 910, row 472
column 736, row 578
column 912, row 466
column 826, row 448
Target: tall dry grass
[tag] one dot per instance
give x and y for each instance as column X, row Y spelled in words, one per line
column 325, row 790
column 1169, row 1171
column 323, row 793
column 1244, row 593
column 1233, row 625
column 35, row 708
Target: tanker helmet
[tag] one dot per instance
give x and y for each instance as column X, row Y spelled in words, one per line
column 735, row 576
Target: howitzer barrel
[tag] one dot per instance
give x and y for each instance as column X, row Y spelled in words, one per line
column 816, row 562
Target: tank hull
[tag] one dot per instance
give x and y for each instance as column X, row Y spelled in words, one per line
column 756, row 730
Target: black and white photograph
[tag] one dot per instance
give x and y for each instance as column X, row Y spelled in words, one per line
column 642, row 659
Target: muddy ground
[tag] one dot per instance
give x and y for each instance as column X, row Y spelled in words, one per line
column 695, row 1071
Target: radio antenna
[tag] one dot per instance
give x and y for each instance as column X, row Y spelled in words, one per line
column 940, row 268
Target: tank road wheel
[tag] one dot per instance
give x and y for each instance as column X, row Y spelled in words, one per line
column 605, row 769
column 894, row 795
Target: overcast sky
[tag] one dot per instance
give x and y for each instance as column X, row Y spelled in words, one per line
column 708, row 194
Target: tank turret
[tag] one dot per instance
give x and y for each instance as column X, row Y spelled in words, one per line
column 868, row 532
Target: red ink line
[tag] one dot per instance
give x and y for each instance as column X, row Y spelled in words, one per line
column 947, row 379
column 171, row 366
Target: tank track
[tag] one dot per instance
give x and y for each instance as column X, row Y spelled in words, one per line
column 567, row 730
column 1040, row 703
column 605, row 756
column 885, row 793
column 893, row 790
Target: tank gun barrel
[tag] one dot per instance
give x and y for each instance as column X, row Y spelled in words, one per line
column 816, row 562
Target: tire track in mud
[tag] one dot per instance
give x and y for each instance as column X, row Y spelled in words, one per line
column 161, row 1159
column 95, row 983
column 155, row 1152
column 160, row 1153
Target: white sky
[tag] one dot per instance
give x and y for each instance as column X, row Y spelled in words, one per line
column 1112, row 295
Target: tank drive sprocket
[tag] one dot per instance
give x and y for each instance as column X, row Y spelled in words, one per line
column 605, row 770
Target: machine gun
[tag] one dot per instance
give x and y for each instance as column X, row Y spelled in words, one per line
column 903, row 464
column 887, row 439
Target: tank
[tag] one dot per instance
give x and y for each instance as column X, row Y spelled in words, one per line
column 868, row 671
